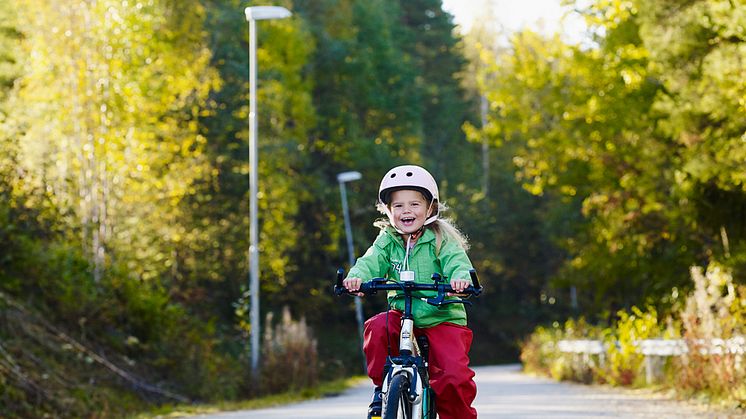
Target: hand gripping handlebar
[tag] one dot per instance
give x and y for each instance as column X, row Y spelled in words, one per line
column 382, row 284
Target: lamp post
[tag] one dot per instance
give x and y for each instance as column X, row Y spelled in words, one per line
column 342, row 178
column 252, row 15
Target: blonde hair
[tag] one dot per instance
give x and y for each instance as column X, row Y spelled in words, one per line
column 442, row 227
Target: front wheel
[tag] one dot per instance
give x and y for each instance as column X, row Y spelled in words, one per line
column 430, row 411
column 397, row 403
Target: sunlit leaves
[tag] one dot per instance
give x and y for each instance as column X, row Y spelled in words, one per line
column 629, row 125
column 110, row 102
column 700, row 55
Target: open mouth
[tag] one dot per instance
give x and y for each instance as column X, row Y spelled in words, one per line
column 408, row 221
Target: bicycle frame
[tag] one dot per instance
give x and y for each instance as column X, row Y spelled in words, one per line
column 410, row 361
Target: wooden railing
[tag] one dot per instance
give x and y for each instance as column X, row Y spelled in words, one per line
column 656, row 351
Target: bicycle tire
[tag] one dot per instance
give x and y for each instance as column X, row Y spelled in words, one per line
column 398, row 405
column 430, row 411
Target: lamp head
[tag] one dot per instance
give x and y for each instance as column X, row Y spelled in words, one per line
column 348, row 176
column 266, row 12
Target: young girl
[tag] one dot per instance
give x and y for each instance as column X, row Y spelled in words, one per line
column 414, row 238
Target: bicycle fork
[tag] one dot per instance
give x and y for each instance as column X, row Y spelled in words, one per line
column 406, row 364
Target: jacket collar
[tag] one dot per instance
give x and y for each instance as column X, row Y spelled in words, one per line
column 427, row 236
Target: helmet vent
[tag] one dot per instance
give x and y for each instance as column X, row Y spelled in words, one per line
column 393, row 175
column 409, row 174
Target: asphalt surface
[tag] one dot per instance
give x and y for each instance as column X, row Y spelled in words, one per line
column 505, row 392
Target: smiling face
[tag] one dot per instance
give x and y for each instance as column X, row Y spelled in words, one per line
column 410, row 209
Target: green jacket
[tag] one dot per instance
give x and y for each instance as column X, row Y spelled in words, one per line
column 385, row 258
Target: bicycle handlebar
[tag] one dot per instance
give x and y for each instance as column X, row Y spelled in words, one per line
column 382, row 284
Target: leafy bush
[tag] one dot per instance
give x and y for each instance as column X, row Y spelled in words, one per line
column 624, row 360
column 539, row 352
column 133, row 325
column 714, row 312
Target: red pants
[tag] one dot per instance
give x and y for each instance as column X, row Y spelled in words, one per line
column 450, row 376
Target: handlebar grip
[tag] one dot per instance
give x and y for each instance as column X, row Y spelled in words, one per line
column 339, row 289
column 475, row 280
column 366, row 288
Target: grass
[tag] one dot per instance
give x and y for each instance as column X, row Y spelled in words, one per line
column 322, row 390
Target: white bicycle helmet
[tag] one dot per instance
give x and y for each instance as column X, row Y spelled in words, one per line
column 409, row 177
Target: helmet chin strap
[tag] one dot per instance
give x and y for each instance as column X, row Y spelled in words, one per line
column 432, row 218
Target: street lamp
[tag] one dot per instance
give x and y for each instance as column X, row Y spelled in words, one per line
column 342, row 178
column 252, row 15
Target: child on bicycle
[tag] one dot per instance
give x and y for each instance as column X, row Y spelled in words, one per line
column 415, row 238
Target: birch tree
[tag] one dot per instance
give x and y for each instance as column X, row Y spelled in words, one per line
column 106, row 115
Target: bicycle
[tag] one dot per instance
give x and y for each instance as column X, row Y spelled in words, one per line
column 406, row 386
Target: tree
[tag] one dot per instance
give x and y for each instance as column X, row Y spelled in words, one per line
column 219, row 211
column 437, row 53
column 584, row 127
column 106, row 119
column 699, row 50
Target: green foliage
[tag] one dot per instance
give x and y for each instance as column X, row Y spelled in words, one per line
column 699, row 49
column 627, row 127
column 606, row 168
column 712, row 313
column 111, row 139
column 9, row 51
column 124, row 168
column 625, row 361
column 152, row 338
column 46, row 372
column 538, row 351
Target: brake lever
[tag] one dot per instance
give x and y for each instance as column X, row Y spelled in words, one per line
column 441, row 301
column 460, row 301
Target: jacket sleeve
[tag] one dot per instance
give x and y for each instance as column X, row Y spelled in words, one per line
column 373, row 264
column 454, row 261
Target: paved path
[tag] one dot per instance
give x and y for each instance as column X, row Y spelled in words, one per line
column 506, row 393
